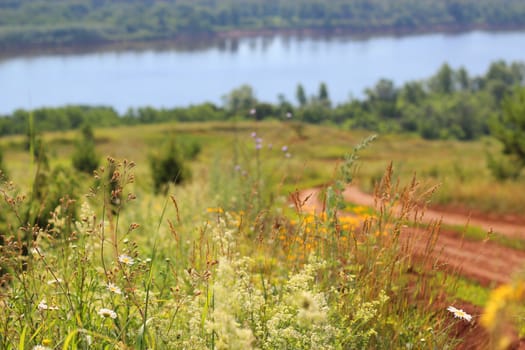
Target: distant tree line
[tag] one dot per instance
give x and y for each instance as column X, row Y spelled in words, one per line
column 450, row 104
column 30, row 23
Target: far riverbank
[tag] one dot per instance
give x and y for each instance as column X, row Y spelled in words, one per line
column 227, row 39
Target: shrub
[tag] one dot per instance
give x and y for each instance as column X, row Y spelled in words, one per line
column 85, row 158
column 168, row 167
column 503, row 167
column 53, row 190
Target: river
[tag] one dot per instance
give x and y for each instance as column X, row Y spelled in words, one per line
column 272, row 66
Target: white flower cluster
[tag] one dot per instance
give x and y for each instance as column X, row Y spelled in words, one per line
column 234, row 300
column 223, row 235
column 245, row 315
column 300, row 318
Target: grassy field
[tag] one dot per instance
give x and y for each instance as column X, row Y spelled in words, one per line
column 227, row 261
column 459, row 168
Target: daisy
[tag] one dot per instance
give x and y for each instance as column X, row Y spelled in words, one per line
column 105, row 313
column 458, row 313
column 113, row 288
column 43, row 306
column 126, row 259
column 40, row 347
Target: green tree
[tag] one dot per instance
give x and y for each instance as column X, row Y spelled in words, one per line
column 463, row 79
column 509, row 129
column 240, row 99
column 300, row 94
column 323, row 94
column 443, row 81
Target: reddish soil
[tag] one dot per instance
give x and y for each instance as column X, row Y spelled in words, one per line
column 484, row 261
column 511, row 227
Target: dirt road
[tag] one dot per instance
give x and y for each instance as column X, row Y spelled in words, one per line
column 485, row 262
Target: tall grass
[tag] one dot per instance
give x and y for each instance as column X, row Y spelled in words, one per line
column 242, row 274
column 232, row 260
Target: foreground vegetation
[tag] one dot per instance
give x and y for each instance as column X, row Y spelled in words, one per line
column 225, row 261
column 58, row 23
column 206, row 268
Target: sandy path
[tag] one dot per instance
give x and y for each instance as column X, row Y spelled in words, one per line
column 485, row 262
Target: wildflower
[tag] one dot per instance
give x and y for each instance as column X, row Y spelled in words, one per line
column 41, row 347
column 501, row 299
column 253, row 111
column 253, row 134
column 114, row 288
column 43, row 306
column 237, row 167
column 258, row 143
column 288, row 115
column 284, row 149
column 105, row 313
column 458, row 313
column 126, row 259
column 288, row 155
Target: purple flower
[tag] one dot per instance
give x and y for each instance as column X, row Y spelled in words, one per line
column 253, row 134
column 284, row 148
column 258, row 143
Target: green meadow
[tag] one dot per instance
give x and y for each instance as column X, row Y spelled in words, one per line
column 458, row 168
column 230, row 258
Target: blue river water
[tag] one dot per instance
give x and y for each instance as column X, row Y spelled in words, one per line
column 272, row 66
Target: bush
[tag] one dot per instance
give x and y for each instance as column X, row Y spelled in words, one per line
column 54, row 192
column 85, row 158
column 503, row 168
column 169, row 167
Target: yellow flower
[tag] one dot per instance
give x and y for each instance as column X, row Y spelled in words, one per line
column 499, row 299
